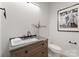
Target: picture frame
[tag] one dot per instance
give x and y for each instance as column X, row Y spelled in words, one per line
column 68, row 19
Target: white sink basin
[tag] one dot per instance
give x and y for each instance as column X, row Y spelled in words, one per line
column 18, row 41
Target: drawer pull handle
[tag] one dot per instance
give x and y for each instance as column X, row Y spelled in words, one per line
column 26, row 51
column 43, row 44
column 42, row 52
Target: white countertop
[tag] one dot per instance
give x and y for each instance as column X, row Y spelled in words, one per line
column 22, row 45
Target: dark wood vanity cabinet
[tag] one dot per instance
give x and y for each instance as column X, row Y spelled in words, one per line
column 38, row 49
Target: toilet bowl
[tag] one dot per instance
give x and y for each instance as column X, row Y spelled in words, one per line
column 55, row 48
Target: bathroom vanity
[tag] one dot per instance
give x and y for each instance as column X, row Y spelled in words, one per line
column 37, row 48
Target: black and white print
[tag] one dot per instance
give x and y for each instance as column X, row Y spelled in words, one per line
column 69, row 19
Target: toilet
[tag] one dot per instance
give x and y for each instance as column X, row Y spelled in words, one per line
column 54, row 50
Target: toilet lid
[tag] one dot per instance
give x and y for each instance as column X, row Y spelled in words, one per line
column 53, row 46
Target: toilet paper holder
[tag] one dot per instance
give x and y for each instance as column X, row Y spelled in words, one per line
column 73, row 42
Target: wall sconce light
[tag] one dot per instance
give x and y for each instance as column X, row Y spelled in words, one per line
column 4, row 11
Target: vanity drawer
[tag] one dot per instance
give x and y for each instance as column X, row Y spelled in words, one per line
column 41, row 53
column 35, row 49
column 20, row 52
column 38, row 45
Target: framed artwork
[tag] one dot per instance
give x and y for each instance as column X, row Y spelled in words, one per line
column 68, row 19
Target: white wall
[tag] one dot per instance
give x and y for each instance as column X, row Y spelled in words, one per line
column 0, row 31
column 61, row 38
column 44, row 19
column 20, row 19
column 3, row 33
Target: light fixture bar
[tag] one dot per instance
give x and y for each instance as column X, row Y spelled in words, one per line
column 35, row 4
